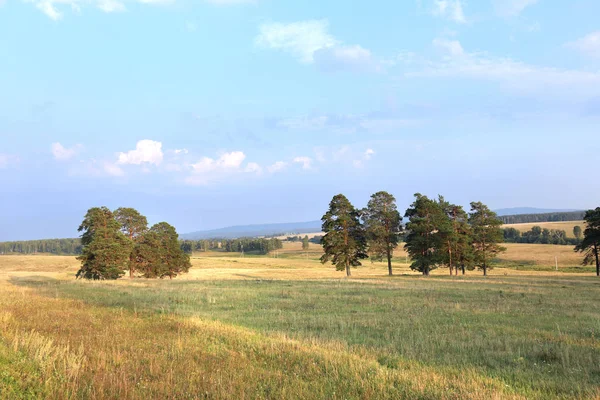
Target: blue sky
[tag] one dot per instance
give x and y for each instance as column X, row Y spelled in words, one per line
column 220, row 112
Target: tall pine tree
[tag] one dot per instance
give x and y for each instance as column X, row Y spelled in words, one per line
column 133, row 225
column 486, row 235
column 456, row 234
column 590, row 245
column 424, row 241
column 106, row 250
column 345, row 240
column 383, row 224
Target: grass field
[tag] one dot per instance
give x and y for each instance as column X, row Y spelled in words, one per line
column 563, row 226
column 288, row 327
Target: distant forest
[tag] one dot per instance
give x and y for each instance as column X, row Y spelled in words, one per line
column 51, row 246
column 548, row 217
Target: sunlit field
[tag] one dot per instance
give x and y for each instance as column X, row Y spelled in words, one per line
column 566, row 226
column 286, row 326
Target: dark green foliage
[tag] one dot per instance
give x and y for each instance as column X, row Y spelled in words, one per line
column 51, row 246
column 590, row 245
column 133, row 225
column 166, row 258
column 345, row 241
column 457, row 238
column 106, row 250
column 486, row 235
column 425, row 241
column 537, row 235
column 578, row 233
column 546, row 217
column 383, row 224
column 259, row 246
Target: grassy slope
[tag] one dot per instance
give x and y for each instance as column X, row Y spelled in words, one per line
column 237, row 333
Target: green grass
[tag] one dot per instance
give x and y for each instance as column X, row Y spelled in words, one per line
column 538, row 336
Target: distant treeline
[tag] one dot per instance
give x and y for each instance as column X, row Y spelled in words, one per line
column 539, row 235
column 252, row 245
column 547, row 217
column 48, row 246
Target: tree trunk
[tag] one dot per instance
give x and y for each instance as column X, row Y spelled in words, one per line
column 450, row 257
column 389, row 257
column 463, row 269
column 484, row 270
column 597, row 259
column 348, row 272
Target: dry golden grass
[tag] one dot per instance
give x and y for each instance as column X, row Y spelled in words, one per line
column 542, row 254
column 566, row 226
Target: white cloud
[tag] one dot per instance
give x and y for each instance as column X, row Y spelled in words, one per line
column 513, row 75
column 228, row 161
column 451, row 46
column 181, row 151
column 111, row 6
column 449, row 9
column 588, row 45
column 511, row 8
column 146, row 151
column 310, row 42
column 54, row 9
column 276, row 167
column 62, row 153
column 253, row 167
column 113, row 169
column 366, row 156
column 305, row 161
column 354, row 58
column 301, row 39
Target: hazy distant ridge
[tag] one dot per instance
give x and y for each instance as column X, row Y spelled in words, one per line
column 315, row 226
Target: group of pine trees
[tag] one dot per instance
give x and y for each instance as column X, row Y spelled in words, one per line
column 438, row 234
column 114, row 242
column 539, row 235
column 259, row 246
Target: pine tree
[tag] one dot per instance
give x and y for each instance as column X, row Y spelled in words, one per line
column 345, row 240
column 577, row 232
column 456, row 234
column 424, row 242
column 590, row 245
column 486, row 235
column 383, row 224
column 305, row 243
column 172, row 261
column 133, row 225
column 105, row 250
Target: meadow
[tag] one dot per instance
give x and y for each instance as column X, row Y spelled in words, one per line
column 285, row 326
column 566, row 226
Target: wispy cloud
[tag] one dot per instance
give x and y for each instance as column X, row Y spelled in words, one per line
column 55, row 9
column 62, row 153
column 588, row 45
column 511, row 8
column 449, row 9
column 305, row 161
column 276, row 167
column 512, row 74
column 310, row 42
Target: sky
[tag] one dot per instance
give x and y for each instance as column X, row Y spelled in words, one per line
column 211, row 113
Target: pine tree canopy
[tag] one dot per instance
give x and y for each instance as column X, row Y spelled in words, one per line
column 345, row 241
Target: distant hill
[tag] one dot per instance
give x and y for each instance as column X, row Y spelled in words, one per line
column 508, row 215
column 529, row 210
column 255, row 230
